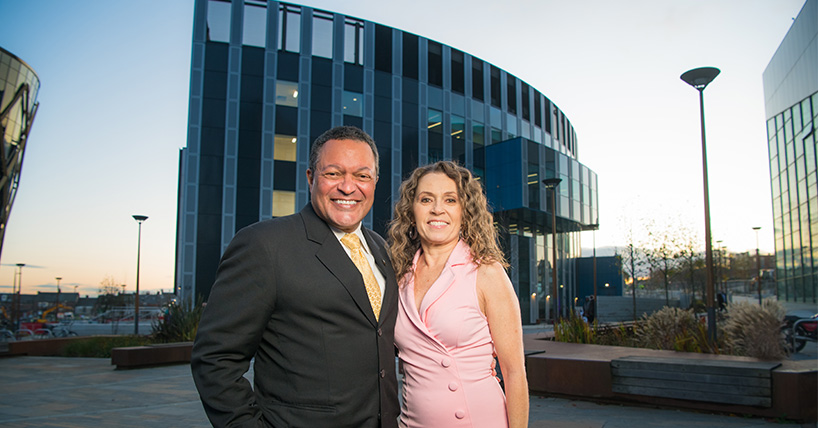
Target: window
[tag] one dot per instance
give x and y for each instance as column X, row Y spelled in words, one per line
column 289, row 22
column 478, row 134
column 477, row 79
column 511, row 93
column 285, row 147
column 435, row 64
column 458, row 139
column 410, row 56
column 283, row 203
column 458, row 76
column 218, row 21
column 525, row 101
column 322, row 34
column 354, row 42
column 353, row 104
column 435, row 126
column 255, row 26
column 286, row 93
column 537, row 110
column 383, row 48
column 495, row 86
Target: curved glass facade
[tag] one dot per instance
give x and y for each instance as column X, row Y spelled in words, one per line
column 19, row 86
column 791, row 102
column 267, row 78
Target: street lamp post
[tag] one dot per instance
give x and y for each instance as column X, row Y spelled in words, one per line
column 699, row 78
column 58, row 298
column 139, row 219
column 758, row 265
column 595, row 227
column 19, row 293
column 551, row 184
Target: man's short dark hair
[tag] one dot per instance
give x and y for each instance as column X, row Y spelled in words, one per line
column 342, row 133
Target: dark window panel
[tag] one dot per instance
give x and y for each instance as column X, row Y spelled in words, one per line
column 537, row 109
column 213, row 113
column 212, row 143
column 215, row 85
column 250, row 116
column 252, row 88
column 383, row 109
column 319, row 122
column 383, row 84
column 383, row 48
column 435, row 63
column 547, row 109
column 410, row 56
column 409, row 151
column 210, row 171
column 216, row 57
column 511, row 93
column 286, row 120
column 410, row 115
column 287, row 66
column 353, row 78
column 524, row 98
column 477, row 79
column 321, row 98
column 410, row 91
column 321, row 71
column 284, row 175
column 458, row 74
column 353, row 121
column 495, row 87
column 252, row 61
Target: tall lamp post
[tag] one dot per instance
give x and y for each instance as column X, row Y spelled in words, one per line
column 758, row 265
column 58, row 297
column 19, row 293
column 139, row 219
column 595, row 227
column 551, row 184
column 699, row 78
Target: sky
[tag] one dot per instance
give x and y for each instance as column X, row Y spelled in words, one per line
column 114, row 97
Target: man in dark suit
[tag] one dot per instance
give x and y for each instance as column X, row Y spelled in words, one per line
column 288, row 294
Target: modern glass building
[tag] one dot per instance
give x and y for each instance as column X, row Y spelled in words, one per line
column 267, row 78
column 791, row 101
column 19, row 86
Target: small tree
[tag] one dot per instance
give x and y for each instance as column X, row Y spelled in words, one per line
column 662, row 254
column 110, row 296
column 633, row 264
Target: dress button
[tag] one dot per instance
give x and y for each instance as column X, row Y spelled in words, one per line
column 380, row 332
column 446, row 362
column 460, row 414
column 453, row 386
column 383, row 373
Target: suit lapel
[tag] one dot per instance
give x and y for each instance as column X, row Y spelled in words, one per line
column 332, row 255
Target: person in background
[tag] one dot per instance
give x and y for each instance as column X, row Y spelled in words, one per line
column 456, row 306
column 313, row 298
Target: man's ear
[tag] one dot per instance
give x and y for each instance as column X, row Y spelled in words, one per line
column 309, row 177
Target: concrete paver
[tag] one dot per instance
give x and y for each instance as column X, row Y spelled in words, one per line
column 89, row 392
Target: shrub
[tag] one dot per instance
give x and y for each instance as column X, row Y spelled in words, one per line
column 179, row 324
column 673, row 329
column 574, row 330
column 754, row 330
column 100, row 346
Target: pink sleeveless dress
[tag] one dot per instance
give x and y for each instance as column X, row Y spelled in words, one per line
column 446, row 352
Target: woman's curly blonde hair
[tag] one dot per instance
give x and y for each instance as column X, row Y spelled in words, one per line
column 476, row 229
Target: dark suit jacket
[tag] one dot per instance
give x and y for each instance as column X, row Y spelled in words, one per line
column 287, row 294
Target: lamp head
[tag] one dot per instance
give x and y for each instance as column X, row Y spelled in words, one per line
column 552, row 182
column 140, row 218
column 699, row 78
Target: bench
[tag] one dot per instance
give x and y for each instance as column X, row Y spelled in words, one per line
column 152, row 355
column 717, row 381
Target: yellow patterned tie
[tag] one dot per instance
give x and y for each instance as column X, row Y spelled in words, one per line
column 352, row 242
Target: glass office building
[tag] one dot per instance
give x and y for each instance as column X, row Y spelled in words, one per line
column 267, row 78
column 19, row 86
column 791, row 101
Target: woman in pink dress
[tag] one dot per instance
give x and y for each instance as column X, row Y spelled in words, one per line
column 457, row 306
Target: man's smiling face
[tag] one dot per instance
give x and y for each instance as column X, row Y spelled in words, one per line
column 342, row 187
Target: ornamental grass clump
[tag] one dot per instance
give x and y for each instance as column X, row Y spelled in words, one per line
column 574, row 330
column 179, row 324
column 674, row 329
column 754, row 330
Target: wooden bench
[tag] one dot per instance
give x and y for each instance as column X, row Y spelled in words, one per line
column 716, row 381
column 151, row 355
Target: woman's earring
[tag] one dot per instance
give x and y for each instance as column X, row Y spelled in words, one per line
column 413, row 233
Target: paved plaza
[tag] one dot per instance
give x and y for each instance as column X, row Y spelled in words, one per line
column 46, row 392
